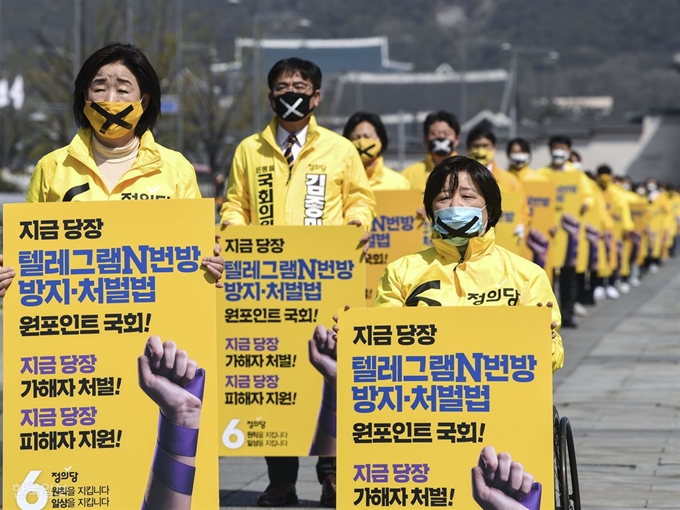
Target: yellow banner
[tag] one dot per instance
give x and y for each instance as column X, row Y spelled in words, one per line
column 568, row 202
column 420, row 401
column 638, row 213
column 509, row 221
column 397, row 231
column 589, row 253
column 657, row 225
column 279, row 282
column 94, row 281
column 538, row 240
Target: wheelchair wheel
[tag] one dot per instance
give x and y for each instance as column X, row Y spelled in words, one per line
column 557, row 460
column 567, row 472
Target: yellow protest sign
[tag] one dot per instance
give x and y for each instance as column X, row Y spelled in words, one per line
column 279, row 282
column 422, row 392
column 509, row 221
column 94, row 281
column 592, row 231
column 538, row 240
column 657, row 225
column 396, row 232
column 638, row 213
column 637, row 245
column 567, row 212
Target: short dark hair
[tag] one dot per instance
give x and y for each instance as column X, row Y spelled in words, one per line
column 559, row 139
column 604, row 170
column 480, row 175
column 478, row 133
column 441, row 116
column 575, row 154
column 523, row 144
column 308, row 70
column 373, row 119
column 134, row 59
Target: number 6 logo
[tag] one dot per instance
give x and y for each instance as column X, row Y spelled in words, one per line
column 27, row 487
column 232, row 431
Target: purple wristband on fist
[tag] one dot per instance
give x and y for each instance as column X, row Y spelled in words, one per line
column 532, row 501
column 178, row 440
column 175, row 438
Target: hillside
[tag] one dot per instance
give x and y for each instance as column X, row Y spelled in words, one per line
column 619, row 48
column 607, row 47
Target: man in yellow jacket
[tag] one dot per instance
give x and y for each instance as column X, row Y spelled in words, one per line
column 441, row 132
column 296, row 172
column 619, row 209
column 560, row 151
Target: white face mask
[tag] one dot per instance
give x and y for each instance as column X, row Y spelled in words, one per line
column 578, row 164
column 559, row 156
column 519, row 159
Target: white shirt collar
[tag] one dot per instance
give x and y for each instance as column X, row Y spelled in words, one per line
column 282, row 136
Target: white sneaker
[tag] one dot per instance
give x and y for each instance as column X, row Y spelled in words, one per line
column 623, row 288
column 653, row 268
column 599, row 293
column 580, row 310
column 612, row 293
column 634, row 281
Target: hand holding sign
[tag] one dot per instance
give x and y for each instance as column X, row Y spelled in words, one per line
column 7, row 274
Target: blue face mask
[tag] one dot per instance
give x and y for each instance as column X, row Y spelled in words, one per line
column 458, row 224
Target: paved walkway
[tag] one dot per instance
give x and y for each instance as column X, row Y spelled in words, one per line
column 623, row 398
column 620, row 387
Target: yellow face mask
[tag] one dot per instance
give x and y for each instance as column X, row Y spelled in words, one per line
column 604, row 180
column 483, row 156
column 368, row 148
column 113, row 119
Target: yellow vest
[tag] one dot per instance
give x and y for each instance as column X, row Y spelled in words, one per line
column 526, row 174
column 487, row 275
column 417, row 173
column 71, row 174
column 384, row 178
column 327, row 185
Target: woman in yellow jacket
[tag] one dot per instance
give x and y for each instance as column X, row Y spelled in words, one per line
column 465, row 267
column 367, row 132
column 116, row 103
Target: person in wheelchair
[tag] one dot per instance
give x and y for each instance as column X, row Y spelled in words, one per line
column 465, row 266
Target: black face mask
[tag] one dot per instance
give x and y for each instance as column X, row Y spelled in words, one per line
column 440, row 146
column 292, row 106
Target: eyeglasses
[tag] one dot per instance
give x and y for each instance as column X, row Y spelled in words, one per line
column 298, row 86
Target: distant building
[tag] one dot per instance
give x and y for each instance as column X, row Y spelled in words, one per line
column 333, row 56
column 658, row 153
column 404, row 99
column 592, row 106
